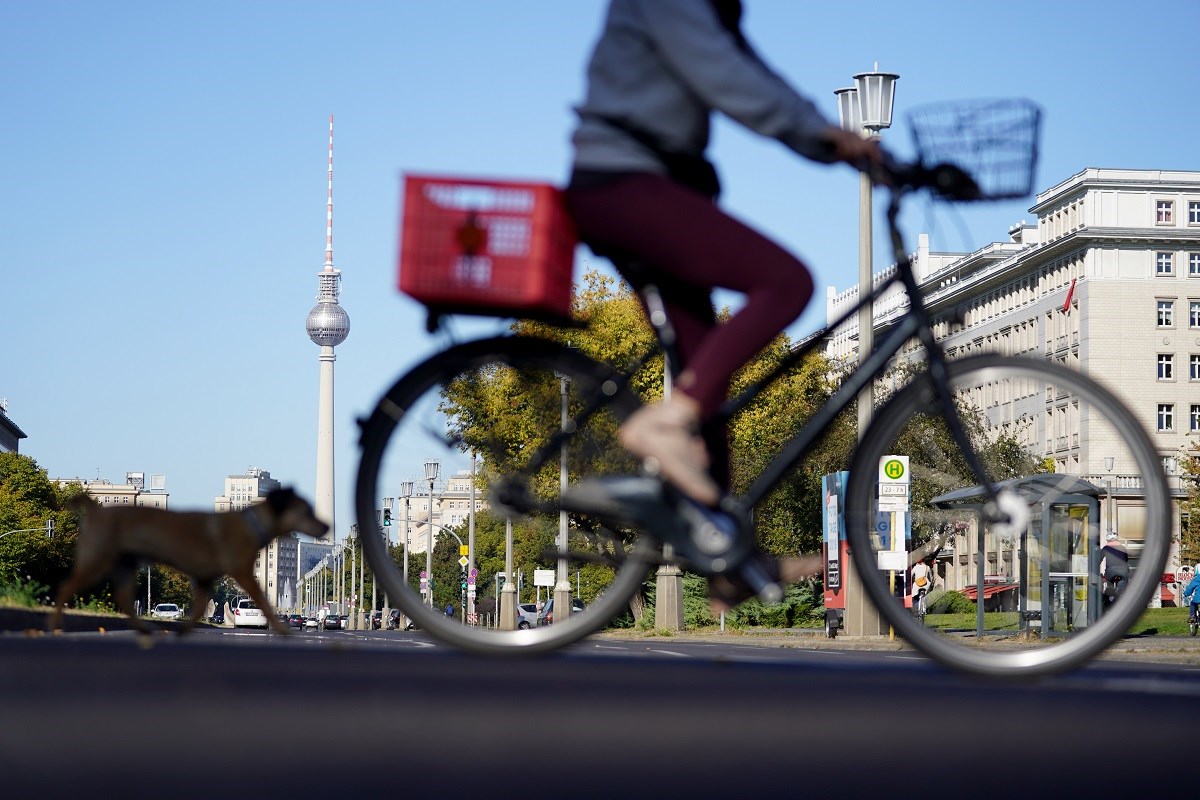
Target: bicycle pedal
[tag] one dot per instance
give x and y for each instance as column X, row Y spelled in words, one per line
column 713, row 531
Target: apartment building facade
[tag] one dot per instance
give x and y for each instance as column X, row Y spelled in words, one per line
column 1107, row 281
column 137, row 490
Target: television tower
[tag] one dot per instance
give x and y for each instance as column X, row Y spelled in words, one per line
column 328, row 325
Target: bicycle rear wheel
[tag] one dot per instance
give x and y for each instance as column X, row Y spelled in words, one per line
column 502, row 400
column 1021, row 598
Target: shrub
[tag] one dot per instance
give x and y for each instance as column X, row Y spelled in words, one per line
column 15, row 591
column 941, row 601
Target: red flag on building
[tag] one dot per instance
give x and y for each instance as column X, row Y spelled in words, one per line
column 1070, row 291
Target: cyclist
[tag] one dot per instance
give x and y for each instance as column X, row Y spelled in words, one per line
column 922, row 582
column 1192, row 596
column 642, row 194
column 1114, row 568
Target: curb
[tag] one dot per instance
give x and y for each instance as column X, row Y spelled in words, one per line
column 35, row 620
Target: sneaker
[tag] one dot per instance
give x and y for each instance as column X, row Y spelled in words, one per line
column 667, row 437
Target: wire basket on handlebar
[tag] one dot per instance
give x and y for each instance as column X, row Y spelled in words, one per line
column 995, row 141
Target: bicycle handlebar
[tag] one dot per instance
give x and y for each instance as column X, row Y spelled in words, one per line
column 946, row 180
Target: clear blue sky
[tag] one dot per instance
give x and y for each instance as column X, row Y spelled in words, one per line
column 164, row 191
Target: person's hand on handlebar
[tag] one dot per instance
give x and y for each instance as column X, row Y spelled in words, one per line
column 859, row 152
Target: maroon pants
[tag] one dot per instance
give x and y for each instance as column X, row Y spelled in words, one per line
column 687, row 246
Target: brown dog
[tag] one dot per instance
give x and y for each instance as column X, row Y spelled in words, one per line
column 202, row 545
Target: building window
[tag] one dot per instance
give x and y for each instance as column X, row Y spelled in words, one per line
column 1164, row 264
column 1194, row 371
column 1194, row 417
column 1193, row 213
column 1194, row 314
column 1166, row 417
column 1166, row 313
column 1166, row 366
column 1164, row 212
column 1194, row 265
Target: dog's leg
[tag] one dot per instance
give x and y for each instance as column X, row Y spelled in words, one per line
column 87, row 571
column 201, row 592
column 124, row 578
column 250, row 585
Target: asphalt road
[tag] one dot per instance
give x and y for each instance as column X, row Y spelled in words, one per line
column 387, row 714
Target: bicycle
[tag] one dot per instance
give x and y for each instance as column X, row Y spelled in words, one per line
column 969, row 430
column 920, row 607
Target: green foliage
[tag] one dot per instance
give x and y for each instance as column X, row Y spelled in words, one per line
column 25, row 592
column 802, row 606
column 1189, row 507
column 696, row 613
column 941, row 601
column 27, row 499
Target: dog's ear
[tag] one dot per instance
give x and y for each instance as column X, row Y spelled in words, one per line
column 279, row 499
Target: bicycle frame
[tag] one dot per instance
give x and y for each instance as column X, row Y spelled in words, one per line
column 916, row 322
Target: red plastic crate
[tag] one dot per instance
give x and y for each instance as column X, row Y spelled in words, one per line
column 486, row 247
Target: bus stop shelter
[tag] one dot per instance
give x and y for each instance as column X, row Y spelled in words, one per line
column 1058, row 552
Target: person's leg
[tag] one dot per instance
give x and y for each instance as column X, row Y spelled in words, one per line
column 680, row 234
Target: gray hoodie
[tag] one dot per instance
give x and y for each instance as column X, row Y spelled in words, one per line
column 663, row 66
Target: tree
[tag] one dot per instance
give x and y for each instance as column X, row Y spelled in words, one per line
column 28, row 498
column 1189, row 507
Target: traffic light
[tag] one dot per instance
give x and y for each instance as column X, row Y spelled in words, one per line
column 387, row 516
column 462, row 579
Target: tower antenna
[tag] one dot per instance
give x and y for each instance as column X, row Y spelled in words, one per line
column 329, row 205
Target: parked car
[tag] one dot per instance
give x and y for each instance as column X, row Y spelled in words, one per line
column 393, row 619
column 295, row 621
column 246, row 614
column 376, row 619
column 546, row 615
column 166, row 611
column 310, row 622
column 527, row 614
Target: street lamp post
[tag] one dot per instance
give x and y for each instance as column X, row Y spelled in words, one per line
column 472, row 582
column 431, row 473
column 508, row 594
column 562, row 584
column 389, row 504
column 1109, row 461
column 406, row 490
column 865, row 109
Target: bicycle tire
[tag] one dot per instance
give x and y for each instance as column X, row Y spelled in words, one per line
column 410, row 420
column 1010, row 384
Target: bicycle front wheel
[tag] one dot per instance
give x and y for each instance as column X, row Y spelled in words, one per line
column 1021, row 592
column 520, row 412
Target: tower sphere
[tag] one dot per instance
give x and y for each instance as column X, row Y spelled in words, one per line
column 328, row 324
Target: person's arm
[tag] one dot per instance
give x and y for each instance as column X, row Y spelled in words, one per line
column 705, row 57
